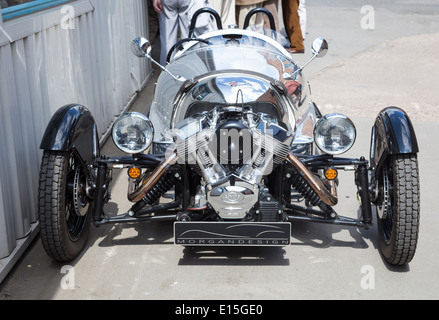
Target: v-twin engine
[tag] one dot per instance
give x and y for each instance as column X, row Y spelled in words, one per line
column 232, row 149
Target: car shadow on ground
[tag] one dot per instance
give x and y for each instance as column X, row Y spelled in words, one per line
column 325, row 236
column 161, row 233
column 304, row 234
column 234, row 256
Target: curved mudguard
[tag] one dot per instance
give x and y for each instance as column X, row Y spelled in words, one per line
column 392, row 134
column 73, row 128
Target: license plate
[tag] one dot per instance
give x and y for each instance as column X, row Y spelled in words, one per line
column 242, row 234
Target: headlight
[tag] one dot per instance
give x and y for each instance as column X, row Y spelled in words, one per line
column 133, row 133
column 335, row 134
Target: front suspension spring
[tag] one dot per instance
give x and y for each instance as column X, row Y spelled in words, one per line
column 161, row 187
column 303, row 187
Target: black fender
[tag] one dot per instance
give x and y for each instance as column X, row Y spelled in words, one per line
column 73, row 128
column 392, row 134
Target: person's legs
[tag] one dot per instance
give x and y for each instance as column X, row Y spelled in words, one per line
column 226, row 10
column 228, row 14
column 273, row 7
column 303, row 17
column 184, row 19
column 168, row 20
column 292, row 24
column 243, row 10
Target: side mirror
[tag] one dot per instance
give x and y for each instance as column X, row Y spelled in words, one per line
column 320, row 47
column 141, row 47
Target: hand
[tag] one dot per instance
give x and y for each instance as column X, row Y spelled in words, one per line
column 157, row 4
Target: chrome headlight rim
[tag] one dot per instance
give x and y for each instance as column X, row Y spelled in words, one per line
column 148, row 132
column 333, row 118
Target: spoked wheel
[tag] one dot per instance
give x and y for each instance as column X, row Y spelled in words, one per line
column 64, row 207
column 398, row 209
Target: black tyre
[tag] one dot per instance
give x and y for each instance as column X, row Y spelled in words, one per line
column 64, row 208
column 398, row 209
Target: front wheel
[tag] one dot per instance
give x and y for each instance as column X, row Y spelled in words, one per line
column 398, row 208
column 64, row 207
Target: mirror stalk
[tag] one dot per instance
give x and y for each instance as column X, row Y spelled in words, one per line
column 319, row 48
column 141, row 47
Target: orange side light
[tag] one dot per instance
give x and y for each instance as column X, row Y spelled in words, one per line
column 134, row 172
column 331, row 174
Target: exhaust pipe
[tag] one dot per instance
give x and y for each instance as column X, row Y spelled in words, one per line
column 149, row 181
column 329, row 197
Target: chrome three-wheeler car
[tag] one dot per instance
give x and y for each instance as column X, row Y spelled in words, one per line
column 233, row 150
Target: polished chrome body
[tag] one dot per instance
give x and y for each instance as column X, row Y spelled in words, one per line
column 237, row 67
column 244, row 85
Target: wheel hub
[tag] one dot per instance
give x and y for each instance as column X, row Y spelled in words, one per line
column 80, row 203
column 383, row 203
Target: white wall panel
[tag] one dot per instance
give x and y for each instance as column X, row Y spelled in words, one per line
column 42, row 68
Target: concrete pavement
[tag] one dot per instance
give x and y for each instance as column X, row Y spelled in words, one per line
column 394, row 64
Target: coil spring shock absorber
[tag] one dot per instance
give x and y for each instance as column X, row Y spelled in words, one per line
column 302, row 186
column 306, row 181
column 160, row 188
column 164, row 185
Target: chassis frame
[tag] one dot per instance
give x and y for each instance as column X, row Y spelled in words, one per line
column 293, row 213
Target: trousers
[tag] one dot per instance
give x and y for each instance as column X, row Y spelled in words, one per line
column 243, row 10
column 273, row 7
column 175, row 15
column 303, row 17
column 226, row 10
column 292, row 23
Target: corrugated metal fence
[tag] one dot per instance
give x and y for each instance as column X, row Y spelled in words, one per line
column 78, row 53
